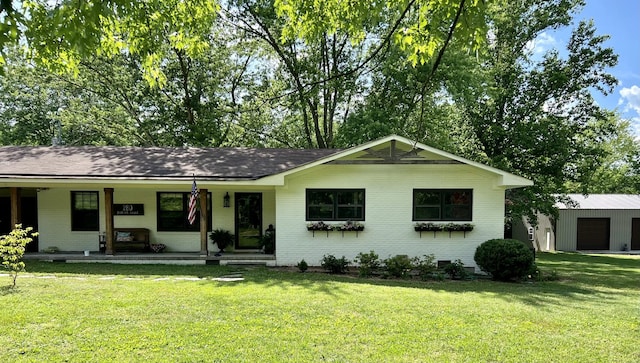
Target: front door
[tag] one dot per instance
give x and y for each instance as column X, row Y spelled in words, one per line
column 248, row 220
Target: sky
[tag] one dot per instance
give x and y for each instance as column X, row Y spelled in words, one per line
column 620, row 19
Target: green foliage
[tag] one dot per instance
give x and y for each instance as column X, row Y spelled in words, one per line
column 268, row 241
column 504, row 259
column 303, row 265
column 540, row 275
column 425, row 266
column 537, row 118
column 398, row 266
column 222, row 238
column 12, row 247
column 335, row 265
column 419, row 27
column 456, row 270
column 115, row 27
column 368, row 263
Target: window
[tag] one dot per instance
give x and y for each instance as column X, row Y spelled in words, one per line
column 335, row 204
column 173, row 209
column 84, row 211
column 442, row 204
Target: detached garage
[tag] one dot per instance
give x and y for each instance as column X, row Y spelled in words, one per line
column 599, row 222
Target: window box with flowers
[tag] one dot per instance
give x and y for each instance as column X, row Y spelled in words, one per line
column 448, row 227
column 350, row 226
column 428, row 227
column 319, row 226
column 458, row 227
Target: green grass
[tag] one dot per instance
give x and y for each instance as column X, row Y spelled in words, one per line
column 128, row 313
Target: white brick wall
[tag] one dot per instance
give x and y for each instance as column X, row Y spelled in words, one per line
column 388, row 216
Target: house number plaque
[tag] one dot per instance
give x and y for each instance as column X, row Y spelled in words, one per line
column 128, row 209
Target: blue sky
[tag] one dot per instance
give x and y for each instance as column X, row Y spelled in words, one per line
column 620, row 19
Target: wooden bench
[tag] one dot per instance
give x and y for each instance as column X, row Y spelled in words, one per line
column 131, row 239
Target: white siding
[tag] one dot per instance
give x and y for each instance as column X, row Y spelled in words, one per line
column 567, row 227
column 388, row 217
column 54, row 218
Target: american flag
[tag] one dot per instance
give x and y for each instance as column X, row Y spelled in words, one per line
column 192, row 202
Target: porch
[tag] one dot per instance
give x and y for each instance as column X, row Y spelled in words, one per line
column 168, row 258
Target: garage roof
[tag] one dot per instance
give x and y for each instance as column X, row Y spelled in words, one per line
column 603, row 201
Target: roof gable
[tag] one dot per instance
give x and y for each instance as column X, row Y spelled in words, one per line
column 396, row 149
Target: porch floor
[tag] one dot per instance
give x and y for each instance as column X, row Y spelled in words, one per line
column 184, row 258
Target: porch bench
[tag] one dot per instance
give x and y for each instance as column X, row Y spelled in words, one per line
column 128, row 238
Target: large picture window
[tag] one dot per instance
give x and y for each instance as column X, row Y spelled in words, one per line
column 173, row 210
column 335, row 204
column 442, row 204
column 84, row 211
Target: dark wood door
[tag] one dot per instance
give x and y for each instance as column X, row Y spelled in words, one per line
column 635, row 234
column 593, row 234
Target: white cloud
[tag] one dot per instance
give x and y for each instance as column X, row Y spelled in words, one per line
column 630, row 101
column 630, row 98
column 542, row 43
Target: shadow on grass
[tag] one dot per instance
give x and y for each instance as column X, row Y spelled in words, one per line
column 8, row 290
column 581, row 276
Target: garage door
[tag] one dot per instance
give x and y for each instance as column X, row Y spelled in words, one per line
column 635, row 234
column 593, row 234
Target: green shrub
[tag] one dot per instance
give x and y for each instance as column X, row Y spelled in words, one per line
column 368, row 263
column 398, row 266
column 335, row 265
column 504, row 259
column 456, row 270
column 303, row 265
column 425, row 266
column 540, row 275
column 12, row 247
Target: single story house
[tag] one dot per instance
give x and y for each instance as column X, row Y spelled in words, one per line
column 596, row 222
column 373, row 195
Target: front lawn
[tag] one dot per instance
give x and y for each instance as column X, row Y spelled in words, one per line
column 115, row 313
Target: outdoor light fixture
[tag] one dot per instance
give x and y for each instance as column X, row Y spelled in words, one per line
column 227, row 200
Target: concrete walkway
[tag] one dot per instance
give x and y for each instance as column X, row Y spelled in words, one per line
column 172, row 258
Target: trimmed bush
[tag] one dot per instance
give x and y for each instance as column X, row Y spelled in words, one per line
column 504, row 259
column 335, row 265
column 456, row 270
column 368, row 263
column 398, row 266
column 425, row 266
column 303, row 265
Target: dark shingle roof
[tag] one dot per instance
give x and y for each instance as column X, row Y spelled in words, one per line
column 152, row 162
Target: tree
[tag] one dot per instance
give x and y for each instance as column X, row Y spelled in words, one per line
column 537, row 118
column 312, row 73
column 12, row 247
column 52, row 30
column 113, row 26
column 38, row 107
column 421, row 27
column 618, row 172
column 109, row 102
